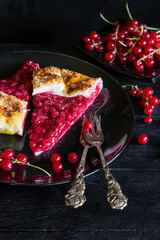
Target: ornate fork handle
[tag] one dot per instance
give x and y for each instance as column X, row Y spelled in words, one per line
column 75, row 196
column 115, row 197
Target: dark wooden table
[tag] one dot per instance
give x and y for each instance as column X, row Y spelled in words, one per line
column 39, row 212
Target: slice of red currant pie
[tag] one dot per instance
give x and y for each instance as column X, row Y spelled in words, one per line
column 15, row 94
column 60, row 98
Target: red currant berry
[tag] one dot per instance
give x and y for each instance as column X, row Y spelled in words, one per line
column 137, row 50
column 90, row 47
column 86, row 39
column 139, row 92
column 22, row 158
column 142, row 42
column 143, row 139
column 154, row 101
column 72, row 157
column 99, row 41
column 139, row 65
column 157, row 44
column 8, row 154
column 110, row 45
column 148, row 92
column 149, row 62
column 109, row 56
column 132, row 22
column 148, row 120
column 148, row 49
column 153, row 35
column 56, row 157
column 123, row 59
column 7, row 165
column 133, row 92
column 100, row 48
column 148, row 110
column 119, row 53
column 146, row 35
column 121, row 34
column 129, row 43
column 93, row 35
column 143, row 103
column 131, row 57
column 57, row 167
column 109, row 37
column 150, row 41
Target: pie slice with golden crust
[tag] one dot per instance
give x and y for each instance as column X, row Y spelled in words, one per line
column 15, row 93
column 60, row 97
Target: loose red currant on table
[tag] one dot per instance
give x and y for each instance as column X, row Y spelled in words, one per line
column 72, row 157
column 22, row 158
column 7, row 165
column 143, row 139
column 56, row 157
column 8, row 154
column 57, row 167
column 148, row 120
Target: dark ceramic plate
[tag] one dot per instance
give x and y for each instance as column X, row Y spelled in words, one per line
column 113, row 104
column 149, row 74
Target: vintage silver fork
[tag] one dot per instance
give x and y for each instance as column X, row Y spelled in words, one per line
column 115, row 197
column 75, row 196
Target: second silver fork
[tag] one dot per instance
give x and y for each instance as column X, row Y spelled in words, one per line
column 115, row 197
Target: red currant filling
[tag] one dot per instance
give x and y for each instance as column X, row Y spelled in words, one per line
column 53, row 115
column 20, row 83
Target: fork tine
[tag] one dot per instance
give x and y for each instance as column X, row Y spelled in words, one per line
column 98, row 124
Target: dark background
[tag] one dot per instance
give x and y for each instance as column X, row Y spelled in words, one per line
column 63, row 22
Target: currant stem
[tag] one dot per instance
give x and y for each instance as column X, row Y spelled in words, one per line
column 107, row 20
column 133, row 86
column 152, row 28
column 128, row 11
column 31, row 165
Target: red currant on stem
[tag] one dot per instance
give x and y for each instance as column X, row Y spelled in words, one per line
column 90, row 47
column 153, row 101
column 109, row 56
column 22, row 158
column 148, row 92
column 8, row 154
column 93, row 35
column 148, row 110
column 56, row 157
column 86, row 39
column 143, row 139
column 72, row 157
column 57, row 167
column 7, row 165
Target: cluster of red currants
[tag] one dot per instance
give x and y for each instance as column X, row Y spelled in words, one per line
column 93, row 41
column 56, row 160
column 7, row 159
column 130, row 42
column 148, row 103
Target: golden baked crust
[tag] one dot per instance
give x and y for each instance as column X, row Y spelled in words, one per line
column 12, row 114
column 73, row 82
column 45, row 76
